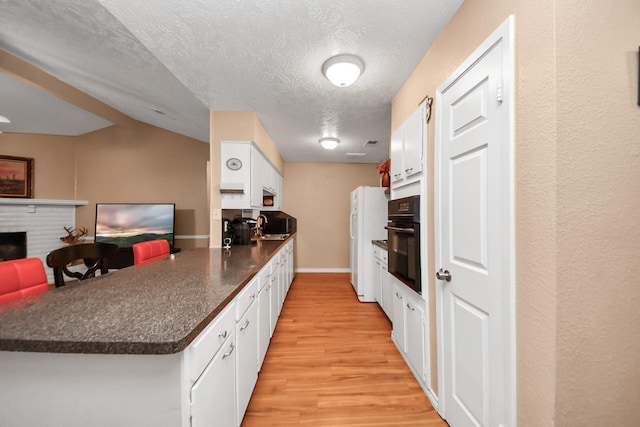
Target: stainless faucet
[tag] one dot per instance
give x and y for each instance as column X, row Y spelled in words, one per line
column 260, row 221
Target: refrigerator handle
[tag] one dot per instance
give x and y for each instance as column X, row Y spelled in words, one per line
column 351, row 226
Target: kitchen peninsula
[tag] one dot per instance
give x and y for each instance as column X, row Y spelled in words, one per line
column 138, row 346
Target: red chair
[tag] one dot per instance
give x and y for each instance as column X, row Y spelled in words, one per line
column 153, row 250
column 21, row 277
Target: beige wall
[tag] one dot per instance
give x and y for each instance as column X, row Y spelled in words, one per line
column 138, row 164
column 144, row 163
column 598, row 162
column 54, row 162
column 576, row 165
column 318, row 195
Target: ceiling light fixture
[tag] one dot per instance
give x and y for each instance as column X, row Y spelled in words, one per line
column 329, row 143
column 3, row 119
column 343, row 70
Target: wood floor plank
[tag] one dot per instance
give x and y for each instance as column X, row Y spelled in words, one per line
column 331, row 362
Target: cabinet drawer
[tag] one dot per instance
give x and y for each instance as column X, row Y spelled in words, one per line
column 376, row 251
column 247, row 296
column 207, row 344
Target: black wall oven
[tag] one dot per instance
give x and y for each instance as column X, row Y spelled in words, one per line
column 404, row 241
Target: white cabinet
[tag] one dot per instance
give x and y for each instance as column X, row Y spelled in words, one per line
column 264, row 315
column 377, row 277
column 408, row 148
column 398, row 319
column 235, row 175
column 213, row 396
column 247, row 176
column 387, row 290
column 381, row 281
column 258, row 166
column 246, row 358
column 274, row 297
column 409, row 325
column 414, row 335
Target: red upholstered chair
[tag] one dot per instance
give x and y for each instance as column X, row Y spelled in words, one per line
column 152, row 250
column 21, row 277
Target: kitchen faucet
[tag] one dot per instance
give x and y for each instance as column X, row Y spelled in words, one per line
column 260, row 221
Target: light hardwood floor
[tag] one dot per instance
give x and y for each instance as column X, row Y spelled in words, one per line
column 331, row 362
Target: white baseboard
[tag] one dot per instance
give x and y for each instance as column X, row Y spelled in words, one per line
column 323, row 270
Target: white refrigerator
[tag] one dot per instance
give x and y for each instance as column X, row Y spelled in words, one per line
column 368, row 219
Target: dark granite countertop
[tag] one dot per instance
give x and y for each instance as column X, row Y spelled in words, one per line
column 381, row 243
column 156, row 308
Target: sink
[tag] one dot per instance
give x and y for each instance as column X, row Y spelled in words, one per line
column 271, row 237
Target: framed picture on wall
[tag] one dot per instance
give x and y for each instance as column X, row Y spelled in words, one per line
column 16, row 176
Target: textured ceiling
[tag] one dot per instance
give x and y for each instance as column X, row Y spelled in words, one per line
column 185, row 57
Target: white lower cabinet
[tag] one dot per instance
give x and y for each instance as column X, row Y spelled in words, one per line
column 213, row 396
column 246, row 358
column 381, row 281
column 399, row 318
column 264, row 316
column 409, row 325
column 225, row 358
column 387, row 291
column 414, row 335
column 376, row 276
column 275, row 296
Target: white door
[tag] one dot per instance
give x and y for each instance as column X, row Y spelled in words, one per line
column 474, row 240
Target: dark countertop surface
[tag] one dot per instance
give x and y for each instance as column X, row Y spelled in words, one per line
column 382, row 243
column 156, row 308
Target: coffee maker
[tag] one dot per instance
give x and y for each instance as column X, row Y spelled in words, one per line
column 242, row 229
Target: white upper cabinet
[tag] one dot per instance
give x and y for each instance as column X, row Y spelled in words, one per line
column 248, row 179
column 407, row 149
column 258, row 166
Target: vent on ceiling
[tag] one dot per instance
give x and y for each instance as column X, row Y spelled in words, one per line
column 369, row 143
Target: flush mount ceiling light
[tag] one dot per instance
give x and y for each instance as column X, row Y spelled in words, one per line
column 329, row 143
column 3, row 119
column 343, row 70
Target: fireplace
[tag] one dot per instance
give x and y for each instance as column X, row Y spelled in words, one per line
column 42, row 219
column 13, row 245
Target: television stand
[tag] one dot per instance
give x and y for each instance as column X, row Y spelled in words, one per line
column 124, row 258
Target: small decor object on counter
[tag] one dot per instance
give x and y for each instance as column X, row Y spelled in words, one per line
column 73, row 235
column 16, row 176
column 383, row 170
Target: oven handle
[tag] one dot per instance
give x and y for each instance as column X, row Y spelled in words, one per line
column 401, row 230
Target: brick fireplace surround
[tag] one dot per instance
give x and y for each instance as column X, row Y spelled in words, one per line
column 43, row 220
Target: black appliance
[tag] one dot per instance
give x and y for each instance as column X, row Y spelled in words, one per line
column 242, row 230
column 227, row 231
column 404, row 241
column 278, row 222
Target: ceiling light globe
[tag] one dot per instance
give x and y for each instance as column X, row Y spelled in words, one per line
column 329, row 143
column 343, row 70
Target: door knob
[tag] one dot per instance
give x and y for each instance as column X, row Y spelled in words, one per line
column 443, row 275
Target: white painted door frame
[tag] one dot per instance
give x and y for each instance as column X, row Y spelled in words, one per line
column 504, row 34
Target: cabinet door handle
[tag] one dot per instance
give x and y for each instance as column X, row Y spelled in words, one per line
column 245, row 326
column 230, row 351
column 252, row 296
column 410, row 308
column 408, row 170
column 222, row 334
column 398, row 296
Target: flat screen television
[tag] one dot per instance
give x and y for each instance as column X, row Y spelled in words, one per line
column 128, row 223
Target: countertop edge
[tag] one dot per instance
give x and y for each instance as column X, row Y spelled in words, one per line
column 133, row 348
